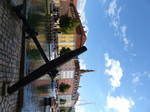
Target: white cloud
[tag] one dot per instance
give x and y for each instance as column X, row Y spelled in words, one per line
column 118, row 13
column 126, row 42
column 137, row 76
column 136, row 79
column 123, row 30
column 133, row 54
column 83, row 17
column 82, row 64
column 114, row 23
column 123, row 34
column 141, row 98
column 103, row 1
column 80, row 7
column 108, row 61
column 131, row 45
column 79, row 109
column 147, row 74
column 120, row 104
column 112, row 7
column 115, row 71
column 113, row 12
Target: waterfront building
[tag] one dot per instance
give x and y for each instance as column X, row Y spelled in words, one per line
column 71, row 74
column 76, row 38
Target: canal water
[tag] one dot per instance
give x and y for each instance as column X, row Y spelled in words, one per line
column 32, row 101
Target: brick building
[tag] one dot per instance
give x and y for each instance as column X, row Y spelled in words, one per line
column 81, row 36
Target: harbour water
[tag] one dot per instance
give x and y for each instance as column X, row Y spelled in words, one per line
column 33, row 102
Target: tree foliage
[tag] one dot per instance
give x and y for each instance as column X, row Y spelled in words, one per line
column 35, row 19
column 64, row 51
column 63, row 110
column 63, row 101
column 34, row 54
column 64, row 87
column 41, row 89
column 68, row 24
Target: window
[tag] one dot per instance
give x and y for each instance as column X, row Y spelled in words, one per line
column 71, row 40
column 71, row 36
column 63, row 36
column 63, row 40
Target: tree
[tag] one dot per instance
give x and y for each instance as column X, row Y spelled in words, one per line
column 64, row 51
column 41, row 89
column 64, row 87
column 67, row 24
column 34, row 54
column 63, row 101
column 63, row 110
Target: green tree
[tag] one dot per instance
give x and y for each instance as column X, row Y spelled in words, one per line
column 35, row 19
column 63, row 110
column 63, row 101
column 41, row 88
column 64, row 87
column 68, row 24
column 64, row 51
column 34, row 54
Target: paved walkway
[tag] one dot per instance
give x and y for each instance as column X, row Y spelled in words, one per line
column 10, row 53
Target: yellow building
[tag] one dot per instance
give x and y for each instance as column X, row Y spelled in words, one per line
column 76, row 38
column 67, row 40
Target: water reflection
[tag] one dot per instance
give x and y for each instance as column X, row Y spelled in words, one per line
column 32, row 103
column 34, row 99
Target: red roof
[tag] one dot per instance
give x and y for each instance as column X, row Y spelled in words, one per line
column 64, row 6
column 81, row 37
column 75, row 2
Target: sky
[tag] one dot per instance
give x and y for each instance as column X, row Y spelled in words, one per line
column 118, row 37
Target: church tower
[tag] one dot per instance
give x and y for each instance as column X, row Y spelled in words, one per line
column 82, row 71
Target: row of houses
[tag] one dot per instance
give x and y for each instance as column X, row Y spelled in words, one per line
column 76, row 38
column 69, row 73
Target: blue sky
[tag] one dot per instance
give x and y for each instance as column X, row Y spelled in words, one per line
column 118, row 47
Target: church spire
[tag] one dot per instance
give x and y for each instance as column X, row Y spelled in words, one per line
column 86, row 71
